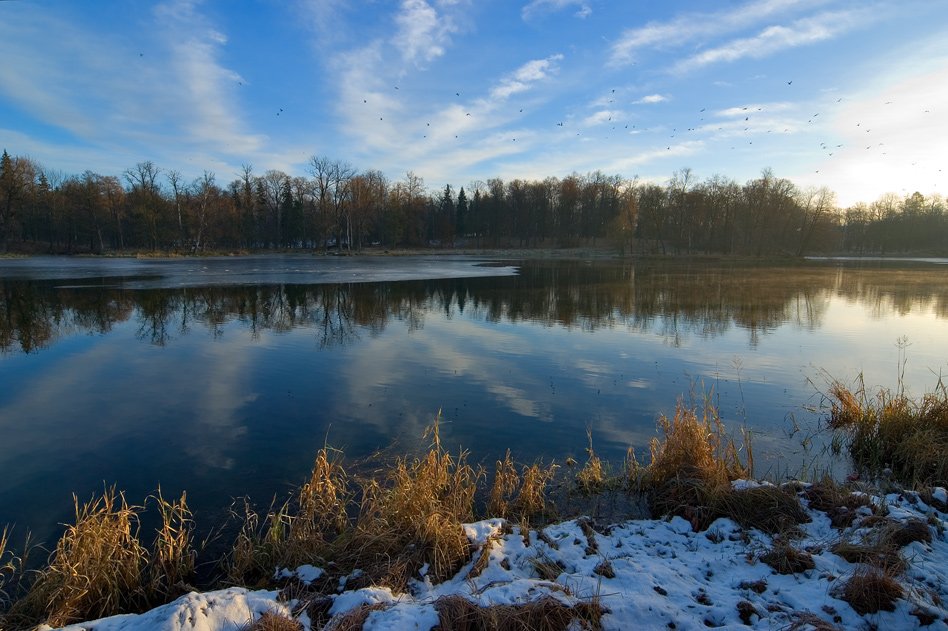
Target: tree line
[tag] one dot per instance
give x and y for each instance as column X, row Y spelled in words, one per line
column 337, row 206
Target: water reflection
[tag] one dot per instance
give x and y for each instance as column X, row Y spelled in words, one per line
column 226, row 389
column 670, row 299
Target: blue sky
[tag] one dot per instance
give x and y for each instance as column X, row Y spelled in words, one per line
column 851, row 94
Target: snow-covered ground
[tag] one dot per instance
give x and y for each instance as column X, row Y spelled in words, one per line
column 649, row 574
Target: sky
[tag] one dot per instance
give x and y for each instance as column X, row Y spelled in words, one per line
column 849, row 94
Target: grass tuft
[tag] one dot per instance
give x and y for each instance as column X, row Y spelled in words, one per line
column 589, row 479
column 354, row 619
column 506, row 482
column 839, row 503
column 172, row 564
column 272, row 621
column 96, row 568
column 545, row 614
column 531, row 500
column 891, row 433
column 869, row 590
column 786, row 559
column 692, row 470
column 695, row 448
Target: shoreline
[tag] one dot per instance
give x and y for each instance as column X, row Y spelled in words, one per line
column 660, row 573
column 721, row 549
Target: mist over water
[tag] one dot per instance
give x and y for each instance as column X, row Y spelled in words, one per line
column 223, row 377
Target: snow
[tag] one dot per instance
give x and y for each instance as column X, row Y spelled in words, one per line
column 666, row 576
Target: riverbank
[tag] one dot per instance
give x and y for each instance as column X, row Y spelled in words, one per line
column 644, row 574
column 400, row 549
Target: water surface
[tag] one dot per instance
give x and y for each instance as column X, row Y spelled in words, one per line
column 224, row 376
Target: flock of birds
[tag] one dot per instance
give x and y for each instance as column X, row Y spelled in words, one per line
column 748, row 119
column 727, row 128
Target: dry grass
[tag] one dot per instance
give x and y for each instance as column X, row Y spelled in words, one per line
column 881, row 546
column 696, row 448
column 172, row 564
column 506, row 482
column 589, row 479
column 891, row 431
column 96, row 569
column 273, row 621
column 881, row 555
column 531, row 500
column 8, row 563
column 390, row 526
column 786, row 559
column 354, row 619
column 839, row 503
column 869, row 590
column 692, row 470
column 287, row 538
column 456, row 613
column 10, row 574
column 417, row 515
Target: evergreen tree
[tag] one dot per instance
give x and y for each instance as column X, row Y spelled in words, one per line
column 460, row 221
column 9, row 191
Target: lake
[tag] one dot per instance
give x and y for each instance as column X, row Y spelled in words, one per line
column 224, row 376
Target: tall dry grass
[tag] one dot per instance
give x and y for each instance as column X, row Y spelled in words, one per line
column 389, row 526
column 694, row 465
column 96, row 569
column 297, row 532
column 416, row 515
column 172, row 565
column 696, row 448
column 100, row 567
column 892, row 431
column 590, row 477
column 505, row 484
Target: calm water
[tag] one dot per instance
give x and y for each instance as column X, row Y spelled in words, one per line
column 224, row 376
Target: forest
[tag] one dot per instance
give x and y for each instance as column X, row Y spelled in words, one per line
column 337, row 207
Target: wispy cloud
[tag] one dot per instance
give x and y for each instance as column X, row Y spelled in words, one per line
column 205, row 84
column 601, row 118
column 776, row 38
column 538, row 7
column 322, row 17
column 686, row 29
column 651, row 98
column 526, row 75
column 51, row 92
column 422, row 32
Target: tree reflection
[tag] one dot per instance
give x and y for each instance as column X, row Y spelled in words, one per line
column 670, row 299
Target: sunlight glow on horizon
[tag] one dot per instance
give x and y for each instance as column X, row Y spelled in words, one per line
column 458, row 92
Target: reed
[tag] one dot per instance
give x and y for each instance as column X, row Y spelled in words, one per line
column 171, row 569
column 96, row 569
column 416, row 516
column 692, row 470
column 590, row 477
column 890, row 433
column 531, row 500
column 506, row 482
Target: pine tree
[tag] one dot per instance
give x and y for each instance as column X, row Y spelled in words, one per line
column 460, row 222
column 9, row 191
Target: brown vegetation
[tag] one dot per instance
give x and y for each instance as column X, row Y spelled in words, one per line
column 384, row 530
column 870, row 590
column 892, row 433
column 545, row 614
